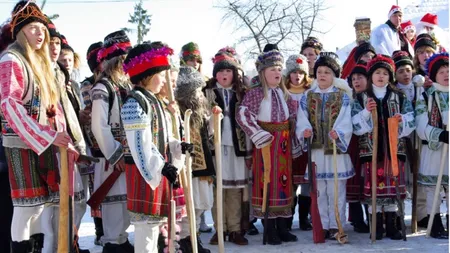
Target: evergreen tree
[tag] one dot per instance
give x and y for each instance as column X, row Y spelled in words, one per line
column 142, row 19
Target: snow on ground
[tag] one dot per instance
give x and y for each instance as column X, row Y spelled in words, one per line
column 357, row 242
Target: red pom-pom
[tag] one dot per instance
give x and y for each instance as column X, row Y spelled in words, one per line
column 299, row 60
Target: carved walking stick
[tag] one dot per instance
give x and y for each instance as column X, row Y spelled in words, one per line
column 340, row 236
column 373, row 174
column 218, row 154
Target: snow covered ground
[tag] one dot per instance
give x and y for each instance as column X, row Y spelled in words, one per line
column 357, row 242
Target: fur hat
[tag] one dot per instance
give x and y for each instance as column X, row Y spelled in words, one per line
column 434, row 63
column 91, row 55
column 147, row 59
column 188, row 81
column 190, row 51
column 296, row 62
column 381, row 61
column 65, row 44
column 312, row 42
column 225, row 59
column 26, row 12
column 424, row 39
column 328, row 59
column 270, row 47
column 115, row 44
column 360, row 68
column 52, row 29
column 5, row 36
column 362, row 49
column 269, row 59
column 402, row 58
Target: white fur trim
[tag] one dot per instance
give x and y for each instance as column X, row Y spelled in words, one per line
column 441, row 88
column 394, row 10
column 343, row 85
column 418, row 80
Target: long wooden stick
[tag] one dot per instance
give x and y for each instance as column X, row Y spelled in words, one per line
column 393, row 147
column 172, row 204
column 444, row 158
column 190, row 197
column 219, row 188
column 373, row 173
column 340, row 236
column 267, row 161
column 63, row 231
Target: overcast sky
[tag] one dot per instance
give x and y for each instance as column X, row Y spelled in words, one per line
column 177, row 22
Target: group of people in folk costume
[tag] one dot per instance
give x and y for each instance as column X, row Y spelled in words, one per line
column 125, row 122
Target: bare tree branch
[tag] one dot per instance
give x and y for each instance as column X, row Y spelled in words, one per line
column 272, row 21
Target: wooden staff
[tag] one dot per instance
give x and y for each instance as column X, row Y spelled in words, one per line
column 267, row 161
column 318, row 236
column 444, row 158
column 340, row 236
column 63, row 234
column 172, row 204
column 190, row 196
column 373, row 173
column 418, row 81
column 393, row 146
column 219, row 188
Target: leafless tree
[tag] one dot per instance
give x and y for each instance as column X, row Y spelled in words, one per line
column 272, row 21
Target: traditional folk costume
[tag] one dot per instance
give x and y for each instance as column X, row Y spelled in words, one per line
column 108, row 142
column 71, row 104
column 188, row 95
column 423, row 41
column 390, row 102
column 355, row 184
column 432, row 113
column 88, row 171
column 28, row 131
column 266, row 116
column 233, row 146
column 324, row 111
column 147, row 131
column 299, row 62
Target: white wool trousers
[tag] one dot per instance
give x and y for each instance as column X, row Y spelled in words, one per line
column 326, row 202
column 116, row 220
column 146, row 237
column 430, row 198
column 26, row 222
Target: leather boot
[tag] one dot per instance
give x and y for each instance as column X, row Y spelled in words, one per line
column 290, row 220
column 237, row 238
column 98, row 222
column 359, row 226
column 391, row 226
column 304, row 205
column 437, row 228
column 37, row 243
column 77, row 249
column 245, row 215
column 215, row 238
column 20, row 247
column 380, row 229
column 283, row 232
column 185, row 245
column 272, row 235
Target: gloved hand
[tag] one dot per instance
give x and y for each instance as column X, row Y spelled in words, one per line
column 443, row 137
column 189, row 147
column 170, row 172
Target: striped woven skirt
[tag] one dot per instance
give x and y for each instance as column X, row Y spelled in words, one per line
column 280, row 190
column 34, row 179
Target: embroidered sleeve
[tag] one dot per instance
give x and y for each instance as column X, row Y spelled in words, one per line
column 408, row 123
column 38, row 137
column 361, row 119
column 302, row 122
column 343, row 125
column 247, row 118
column 293, row 107
column 111, row 149
column 85, row 93
column 139, row 134
column 424, row 130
